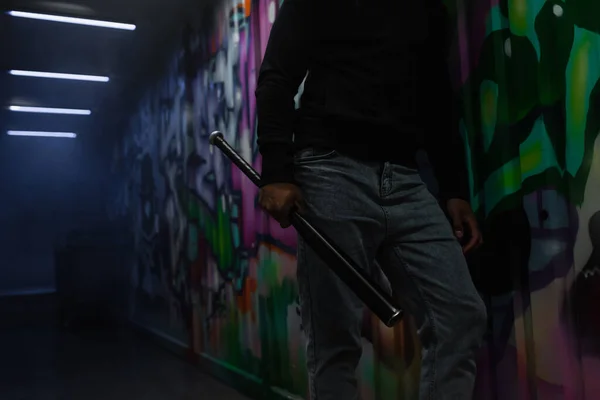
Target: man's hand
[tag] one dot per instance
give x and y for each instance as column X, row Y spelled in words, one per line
column 279, row 200
column 464, row 222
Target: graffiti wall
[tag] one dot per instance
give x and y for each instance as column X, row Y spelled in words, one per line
column 529, row 72
column 150, row 160
column 214, row 273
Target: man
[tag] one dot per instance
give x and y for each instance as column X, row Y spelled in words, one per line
column 376, row 80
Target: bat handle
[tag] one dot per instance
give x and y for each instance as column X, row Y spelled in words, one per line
column 216, row 139
column 377, row 300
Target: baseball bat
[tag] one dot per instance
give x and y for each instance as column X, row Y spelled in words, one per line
column 365, row 288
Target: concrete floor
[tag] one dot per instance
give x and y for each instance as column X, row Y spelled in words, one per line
column 39, row 361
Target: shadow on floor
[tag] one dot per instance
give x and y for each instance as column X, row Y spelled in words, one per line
column 40, row 361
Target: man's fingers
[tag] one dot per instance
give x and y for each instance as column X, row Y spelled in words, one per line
column 471, row 245
column 475, row 238
column 280, row 212
column 457, row 226
column 300, row 206
column 284, row 219
column 279, row 200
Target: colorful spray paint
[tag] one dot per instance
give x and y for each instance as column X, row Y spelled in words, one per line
column 214, row 272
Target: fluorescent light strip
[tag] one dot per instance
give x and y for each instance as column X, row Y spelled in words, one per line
column 45, row 110
column 43, row 134
column 54, row 75
column 72, row 20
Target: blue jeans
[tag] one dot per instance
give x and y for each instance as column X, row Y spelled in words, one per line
column 384, row 212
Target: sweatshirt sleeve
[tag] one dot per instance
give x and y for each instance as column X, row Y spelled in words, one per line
column 283, row 69
column 443, row 141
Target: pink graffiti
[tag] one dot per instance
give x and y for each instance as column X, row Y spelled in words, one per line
column 254, row 220
column 261, row 22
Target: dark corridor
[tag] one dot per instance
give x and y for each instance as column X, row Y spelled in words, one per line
column 193, row 258
column 41, row 360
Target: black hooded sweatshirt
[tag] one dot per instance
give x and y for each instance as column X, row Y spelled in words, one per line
column 377, row 87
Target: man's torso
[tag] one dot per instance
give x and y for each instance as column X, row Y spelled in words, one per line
column 364, row 76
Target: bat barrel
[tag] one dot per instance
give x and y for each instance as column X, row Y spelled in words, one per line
column 378, row 300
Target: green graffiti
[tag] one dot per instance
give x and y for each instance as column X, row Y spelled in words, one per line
column 216, row 229
column 489, row 112
column 555, row 51
column 583, row 73
column 233, row 350
column 274, row 335
column 586, row 14
column 274, row 363
column 530, row 108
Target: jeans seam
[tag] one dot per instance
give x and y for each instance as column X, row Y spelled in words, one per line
column 386, row 219
column 431, row 317
column 390, row 177
column 312, row 382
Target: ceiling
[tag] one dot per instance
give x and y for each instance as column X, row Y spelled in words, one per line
column 132, row 60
